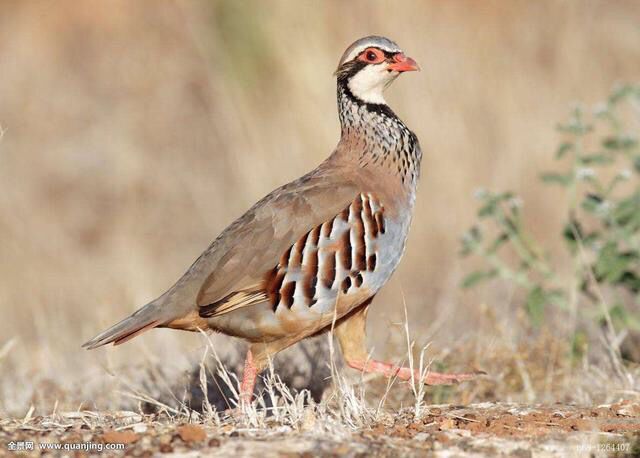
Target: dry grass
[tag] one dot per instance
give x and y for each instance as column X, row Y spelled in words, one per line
column 133, row 132
column 342, row 424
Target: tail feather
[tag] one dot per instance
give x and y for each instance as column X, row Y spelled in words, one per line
column 144, row 319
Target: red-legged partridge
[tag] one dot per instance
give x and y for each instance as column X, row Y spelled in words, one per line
column 317, row 249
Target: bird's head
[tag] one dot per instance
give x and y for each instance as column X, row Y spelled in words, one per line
column 369, row 65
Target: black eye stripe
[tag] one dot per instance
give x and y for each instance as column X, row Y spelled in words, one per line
column 353, row 66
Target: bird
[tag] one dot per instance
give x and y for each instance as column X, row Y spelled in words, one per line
column 311, row 256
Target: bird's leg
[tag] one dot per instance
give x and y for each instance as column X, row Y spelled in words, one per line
column 257, row 360
column 249, row 376
column 351, row 336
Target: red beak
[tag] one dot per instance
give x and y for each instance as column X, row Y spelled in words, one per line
column 402, row 63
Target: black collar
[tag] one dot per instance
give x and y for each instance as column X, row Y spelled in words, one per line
column 379, row 108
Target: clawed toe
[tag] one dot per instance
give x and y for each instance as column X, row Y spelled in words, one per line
column 435, row 378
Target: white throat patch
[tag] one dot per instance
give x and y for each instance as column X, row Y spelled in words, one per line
column 369, row 83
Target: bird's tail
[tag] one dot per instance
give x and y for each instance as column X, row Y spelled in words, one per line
column 148, row 317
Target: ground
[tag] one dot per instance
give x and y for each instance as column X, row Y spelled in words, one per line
column 489, row 429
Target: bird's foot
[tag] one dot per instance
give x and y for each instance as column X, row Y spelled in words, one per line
column 241, row 410
column 437, row 378
column 405, row 373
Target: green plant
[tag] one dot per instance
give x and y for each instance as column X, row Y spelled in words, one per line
column 598, row 174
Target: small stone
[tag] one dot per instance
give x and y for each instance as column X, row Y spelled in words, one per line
column 120, row 437
column 448, row 423
column 192, row 433
column 140, row 428
column 421, row 437
column 442, row 438
column 165, row 439
column 627, row 409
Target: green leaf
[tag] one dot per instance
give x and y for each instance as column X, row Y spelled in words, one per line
column 619, row 142
column 631, row 281
column 571, row 233
column 476, row 277
column 470, row 240
column 579, row 344
column 488, row 209
column 498, row 242
column 623, row 318
column 557, row 178
column 597, row 159
column 563, row 149
column 591, row 203
column 611, row 263
column 535, row 303
column 627, row 212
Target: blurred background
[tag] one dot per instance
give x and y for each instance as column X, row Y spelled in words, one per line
column 134, row 132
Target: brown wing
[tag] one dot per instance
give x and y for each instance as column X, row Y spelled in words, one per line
column 248, row 250
column 332, row 257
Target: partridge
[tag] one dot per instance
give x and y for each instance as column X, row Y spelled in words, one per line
column 311, row 255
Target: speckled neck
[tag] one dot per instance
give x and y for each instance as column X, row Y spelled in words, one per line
column 382, row 139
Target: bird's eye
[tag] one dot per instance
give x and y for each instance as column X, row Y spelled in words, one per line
column 372, row 56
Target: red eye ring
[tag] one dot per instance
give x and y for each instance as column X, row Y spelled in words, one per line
column 371, row 56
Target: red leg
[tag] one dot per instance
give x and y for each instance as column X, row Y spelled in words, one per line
column 404, row 373
column 249, row 376
column 351, row 335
